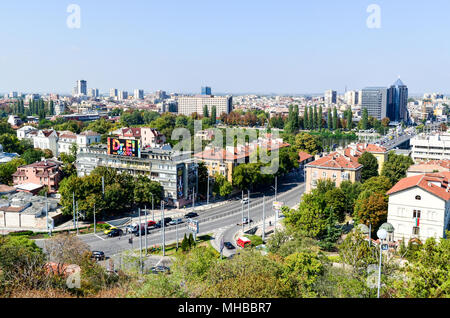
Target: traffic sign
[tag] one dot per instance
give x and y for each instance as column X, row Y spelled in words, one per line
column 278, row 205
column 193, row 226
column 384, row 247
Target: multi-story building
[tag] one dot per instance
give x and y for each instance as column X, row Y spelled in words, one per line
column 206, row 90
column 138, row 94
column 355, row 151
column 335, row 167
column 430, row 147
column 195, row 104
column 175, row 171
column 419, row 207
column 397, row 109
column 330, row 97
column 93, row 92
column 374, row 99
column 67, row 139
column 123, row 95
column 352, row 98
column 81, row 88
column 45, row 173
column 47, row 139
column 113, row 93
column 434, row 166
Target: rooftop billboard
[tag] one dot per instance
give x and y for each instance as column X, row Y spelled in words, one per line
column 124, row 147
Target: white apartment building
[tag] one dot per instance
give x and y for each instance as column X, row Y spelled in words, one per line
column 138, row 94
column 195, row 104
column 430, row 147
column 82, row 140
column 47, row 139
column 419, row 207
column 352, row 98
column 26, row 132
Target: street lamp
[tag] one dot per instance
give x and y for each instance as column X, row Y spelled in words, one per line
column 382, row 234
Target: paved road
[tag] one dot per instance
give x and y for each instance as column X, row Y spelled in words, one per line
column 290, row 189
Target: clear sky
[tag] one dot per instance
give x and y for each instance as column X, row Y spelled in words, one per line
column 261, row 46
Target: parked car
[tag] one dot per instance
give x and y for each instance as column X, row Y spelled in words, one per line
column 246, row 221
column 109, row 230
column 191, row 215
column 160, row 269
column 166, row 222
column 98, row 255
column 176, row 221
column 115, row 232
column 132, row 228
column 244, row 201
column 243, row 242
column 229, row 246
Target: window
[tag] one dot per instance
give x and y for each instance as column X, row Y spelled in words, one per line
column 324, row 174
column 416, row 230
column 418, row 197
column 416, row 214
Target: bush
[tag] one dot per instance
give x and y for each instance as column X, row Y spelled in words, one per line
column 21, row 233
column 256, row 240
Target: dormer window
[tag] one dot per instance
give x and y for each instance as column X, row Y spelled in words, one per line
column 418, row 197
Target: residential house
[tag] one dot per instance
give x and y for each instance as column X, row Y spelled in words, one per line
column 47, row 139
column 44, row 173
column 433, row 166
column 419, row 206
column 336, row 167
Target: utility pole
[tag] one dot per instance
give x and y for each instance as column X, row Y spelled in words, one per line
column 176, row 232
column 242, row 204
column 264, row 219
column 153, row 209
column 95, row 222
column 248, row 210
column 46, row 211
column 74, row 210
column 78, row 228
column 163, row 230
column 140, row 241
column 146, row 230
column 276, row 188
column 207, row 192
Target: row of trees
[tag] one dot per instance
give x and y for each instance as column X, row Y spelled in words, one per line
column 122, row 192
column 35, row 108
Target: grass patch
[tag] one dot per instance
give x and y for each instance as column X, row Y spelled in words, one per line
column 256, row 240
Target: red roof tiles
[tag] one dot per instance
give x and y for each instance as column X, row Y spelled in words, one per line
column 426, row 182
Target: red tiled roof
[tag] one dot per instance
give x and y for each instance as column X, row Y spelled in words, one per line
column 427, row 183
column 303, row 156
column 335, row 160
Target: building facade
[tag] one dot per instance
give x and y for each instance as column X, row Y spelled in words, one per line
column 175, row 171
column 195, row 104
column 430, row 147
column 335, row 167
column 44, row 173
column 374, row 99
column 397, row 110
column 419, row 207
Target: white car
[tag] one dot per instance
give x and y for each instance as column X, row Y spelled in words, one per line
column 244, row 201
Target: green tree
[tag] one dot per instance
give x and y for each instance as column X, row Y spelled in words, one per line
column 319, row 118
column 213, row 115
column 336, row 200
column 33, row 155
column 371, row 208
column 349, row 119
column 8, row 169
column 370, row 166
column 330, row 119
column 335, row 119
column 305, row 119
column 308, row 143
column 145, row 190
column 364, row 119
column 205, row 111
column 396, row 166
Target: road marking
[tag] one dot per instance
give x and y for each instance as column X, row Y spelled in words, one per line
column 100, row 237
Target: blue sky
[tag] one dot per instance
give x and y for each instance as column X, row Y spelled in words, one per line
column 283, row 46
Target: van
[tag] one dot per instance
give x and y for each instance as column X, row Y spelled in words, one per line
column 243, row 242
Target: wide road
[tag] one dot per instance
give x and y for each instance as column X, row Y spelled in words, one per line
column 290, row 189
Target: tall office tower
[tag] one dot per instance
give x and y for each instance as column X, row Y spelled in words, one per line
column 352, row 98
column 195, row 104
column 161, row 95
column 123, row 95
column 82, row 87
column 113, row 92
column 138, row 94
column 359, row 98
column 374, row 99
column 206, row 90
column 397, row 109
column 330, row 97
column 93, row 92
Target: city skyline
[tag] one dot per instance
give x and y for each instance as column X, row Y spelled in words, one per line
column 259, row 47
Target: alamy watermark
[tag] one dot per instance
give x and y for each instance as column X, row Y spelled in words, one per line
column 374, row 19
column 74, row 19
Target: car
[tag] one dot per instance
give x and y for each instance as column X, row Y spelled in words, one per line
column 245, row 221
column 115, row 232
column 176, row 221
column 191, row 215
column 136, row 233
column 166, row 222
column 229, row 246
column 109, row 230
column 98, row 255
column 244, row 201
column 160, row 269
column 132, row 228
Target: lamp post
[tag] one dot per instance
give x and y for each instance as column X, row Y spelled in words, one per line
column 382, row 234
